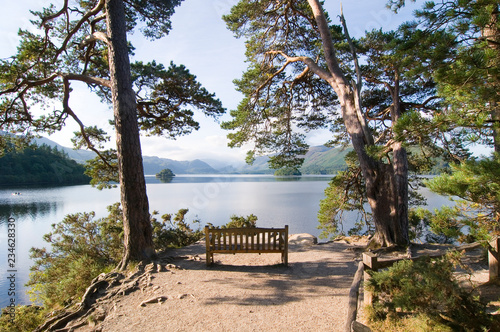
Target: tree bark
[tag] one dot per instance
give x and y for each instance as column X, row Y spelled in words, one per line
column 138, row 241
column 492, row 35
column 400, row 167
column 386, row 184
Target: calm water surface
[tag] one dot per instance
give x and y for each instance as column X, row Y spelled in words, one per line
column 211, row 199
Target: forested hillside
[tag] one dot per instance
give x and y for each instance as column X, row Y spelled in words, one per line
column 318, row 160
column 43, row 165
column 324, row 160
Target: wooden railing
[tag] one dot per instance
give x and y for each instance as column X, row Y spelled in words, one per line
column 370, row 262
column 246, row 240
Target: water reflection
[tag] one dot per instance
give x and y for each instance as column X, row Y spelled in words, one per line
column 184, row 178
column 32, row 210
column 32, row 220
column 276, row 201
column 165, row 179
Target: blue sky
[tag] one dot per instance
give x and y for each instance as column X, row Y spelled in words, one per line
column 199, row 40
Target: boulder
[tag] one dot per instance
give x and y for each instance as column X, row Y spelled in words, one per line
column 302, row 239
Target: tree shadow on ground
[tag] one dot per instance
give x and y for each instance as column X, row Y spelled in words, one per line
column 259, row 280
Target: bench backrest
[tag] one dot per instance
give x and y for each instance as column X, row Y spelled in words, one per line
column 246, row 239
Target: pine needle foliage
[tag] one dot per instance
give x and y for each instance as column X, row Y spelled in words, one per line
column 476, row 186
column 174, row 231
column 82, row 247
column 27, row 318
column 428, row 287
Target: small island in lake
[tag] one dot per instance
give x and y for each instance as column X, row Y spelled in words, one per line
column 165, row 175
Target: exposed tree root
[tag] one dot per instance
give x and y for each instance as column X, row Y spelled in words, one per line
column 99, row 297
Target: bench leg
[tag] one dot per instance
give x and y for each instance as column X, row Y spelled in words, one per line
column 284, row 258
column 209, row 258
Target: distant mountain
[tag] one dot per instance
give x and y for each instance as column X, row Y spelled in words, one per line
column 259, row 166
column 220, row 164
column 153, row 165
column 323, row 160
column 80, row 156
column 318, row 160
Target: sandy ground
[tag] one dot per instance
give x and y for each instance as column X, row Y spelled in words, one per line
column 243, row 292
column 248, row 292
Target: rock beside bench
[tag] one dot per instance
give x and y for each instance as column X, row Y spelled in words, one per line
column 302, row 239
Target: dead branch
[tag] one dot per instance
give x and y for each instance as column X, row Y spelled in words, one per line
column 98, row 35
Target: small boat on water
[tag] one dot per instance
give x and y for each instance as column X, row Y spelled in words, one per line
column 16, row 193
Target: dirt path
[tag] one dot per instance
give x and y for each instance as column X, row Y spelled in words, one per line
column 243, row 292
column 250, row 292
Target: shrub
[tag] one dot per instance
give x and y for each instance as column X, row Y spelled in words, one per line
column 240, row 221
column 27, row 318
column 174, row 233
column 426, row 287
column 83, row 247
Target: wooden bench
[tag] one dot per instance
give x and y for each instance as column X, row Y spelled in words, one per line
column 246, row 240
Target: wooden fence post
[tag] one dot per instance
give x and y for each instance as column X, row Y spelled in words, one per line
column 370, row 263
column 493, row 258
column 352, row 307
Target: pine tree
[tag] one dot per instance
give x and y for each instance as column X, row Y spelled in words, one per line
column 87, row 42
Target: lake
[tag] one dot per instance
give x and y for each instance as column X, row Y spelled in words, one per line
column 212, row 199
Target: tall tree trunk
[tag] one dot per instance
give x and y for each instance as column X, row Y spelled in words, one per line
column 385, row 183
column 383, row 202
column 400, row 168
column 384, row 189
column 137, row 228
column 492, row 35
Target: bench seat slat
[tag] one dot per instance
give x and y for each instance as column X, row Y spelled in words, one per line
column 246, row 240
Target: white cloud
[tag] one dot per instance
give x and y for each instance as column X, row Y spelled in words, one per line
column 217, row 140
column 195, row 146
column 318, row 137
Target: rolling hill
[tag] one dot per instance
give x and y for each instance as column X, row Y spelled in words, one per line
column 153, row 165
column 323, row 160
column 318, row 160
